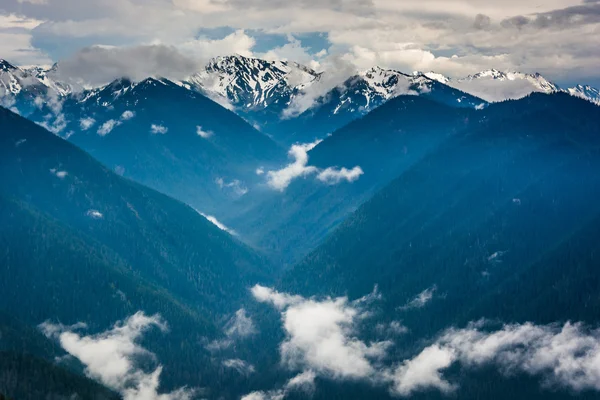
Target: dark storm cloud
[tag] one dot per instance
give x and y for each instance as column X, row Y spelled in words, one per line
column 588, row 13
column 482, row 21
column 98, row 65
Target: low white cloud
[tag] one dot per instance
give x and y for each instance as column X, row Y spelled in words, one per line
column 514, row 86
column 108, row 126
column 421, row 300
column 565, row 356
column 333, row 176
column 322, row 339
column 156, row 129
column 86, row 123
column 260, row 171
column 423, row 372
column 95, row 214
column 203, row 133
column 282, row 178
column 321, row 335
column 112, row 357
column 127, row 115
column 240, row 366
column 59, row 173
column 280, row 300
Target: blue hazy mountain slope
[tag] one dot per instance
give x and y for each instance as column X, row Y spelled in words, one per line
column 85, row 244
column 169, row 138
column 500, row 222
column 490, row 204
column 383, row 143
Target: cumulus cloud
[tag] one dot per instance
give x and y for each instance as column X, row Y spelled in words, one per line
column 157, row 129
column 112, row 357
column 421, row 300
column 108, row 126
column 333, row 176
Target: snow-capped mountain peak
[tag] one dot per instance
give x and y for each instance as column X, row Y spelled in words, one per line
column 251, row 83
column 585, row 92
column 6, row 66
column 47, row 75
column 535, row 79
column 434, row 76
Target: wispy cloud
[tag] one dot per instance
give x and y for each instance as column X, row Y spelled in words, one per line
column 240, row 325
column 111, row 357
column 421, row 300
column 240, row 366
column 218, row 224
column 235, row 186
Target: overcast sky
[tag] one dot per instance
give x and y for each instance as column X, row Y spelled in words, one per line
column 558, row 38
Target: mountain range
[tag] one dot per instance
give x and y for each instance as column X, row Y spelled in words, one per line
column 285, row 99
column 258, row 231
